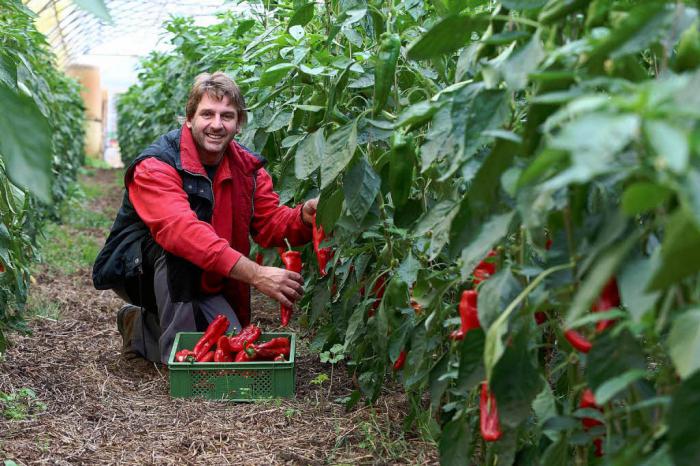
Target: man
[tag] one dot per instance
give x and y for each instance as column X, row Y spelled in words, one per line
column 179, row 244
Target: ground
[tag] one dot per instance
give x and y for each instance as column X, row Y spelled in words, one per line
column 68, row 397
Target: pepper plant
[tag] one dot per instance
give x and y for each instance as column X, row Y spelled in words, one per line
column 556, row 140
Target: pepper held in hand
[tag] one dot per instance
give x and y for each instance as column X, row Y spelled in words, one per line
column 292, row 262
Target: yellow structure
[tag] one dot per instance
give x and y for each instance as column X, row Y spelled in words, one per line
column 93, row 97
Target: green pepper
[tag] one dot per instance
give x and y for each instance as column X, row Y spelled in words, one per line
column 403, row 159
column 385, row 68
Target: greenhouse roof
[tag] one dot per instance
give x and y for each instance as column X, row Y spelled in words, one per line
column 135, row 28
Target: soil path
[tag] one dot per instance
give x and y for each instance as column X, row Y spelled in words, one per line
column 103, row 409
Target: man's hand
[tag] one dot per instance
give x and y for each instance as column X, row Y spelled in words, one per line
column 282, row 285
column 309, row 210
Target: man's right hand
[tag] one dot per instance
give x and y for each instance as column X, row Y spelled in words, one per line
column 282, row 285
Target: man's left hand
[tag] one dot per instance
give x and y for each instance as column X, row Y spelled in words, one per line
column 308, row 211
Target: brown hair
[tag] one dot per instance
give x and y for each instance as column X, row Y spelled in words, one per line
column 217, row 86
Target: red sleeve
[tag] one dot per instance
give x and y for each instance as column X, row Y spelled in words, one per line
column 273, row 222
column 155, row 190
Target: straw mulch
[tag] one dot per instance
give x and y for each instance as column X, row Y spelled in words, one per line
column 103, row 409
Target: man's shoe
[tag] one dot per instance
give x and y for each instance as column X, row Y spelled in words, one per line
column 126, row 317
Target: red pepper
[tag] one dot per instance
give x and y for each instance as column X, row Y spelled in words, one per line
column 268, row 350
column 242, row 356
column 609, row 298
column 541, row 317
column 185, row 356
column 588, row 401
column 249, row 334
column 488, row 415
column 259, row 258
column 485, row 269
column 378, row 291
column 223, row 350
column 578, row 341
column 400, row 361
column 215, row 329
column 322, row 254
column 280, row 358
column 468, row 313
column 292, row 261
column 207, row 357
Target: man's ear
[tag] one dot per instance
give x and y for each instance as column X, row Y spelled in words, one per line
column 188, row 122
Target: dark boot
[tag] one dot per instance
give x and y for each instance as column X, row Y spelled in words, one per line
column 127, row 317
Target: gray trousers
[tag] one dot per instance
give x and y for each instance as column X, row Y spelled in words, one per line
column 153, row 335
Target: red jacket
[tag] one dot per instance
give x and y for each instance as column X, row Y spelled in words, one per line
column 244, row 205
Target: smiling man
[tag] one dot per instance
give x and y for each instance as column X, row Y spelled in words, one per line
column 178, row 248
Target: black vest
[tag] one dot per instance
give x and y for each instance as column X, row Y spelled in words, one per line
column 121, row 258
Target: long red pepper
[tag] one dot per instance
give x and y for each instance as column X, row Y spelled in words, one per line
column 468, row 313
column 185, row 355
column 323, row 255
column 488, row 415
column 223, row 351
column 249, row 334
column 292, row 261
column 378, row 291
column 484, row 269
column 609, row 298
column 578, row 341
column 215, row 329
column 400, row 361
column 588, row 401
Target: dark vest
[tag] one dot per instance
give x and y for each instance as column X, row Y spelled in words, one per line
column 121, row 258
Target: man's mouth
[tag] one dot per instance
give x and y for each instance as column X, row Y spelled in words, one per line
column 215, row 137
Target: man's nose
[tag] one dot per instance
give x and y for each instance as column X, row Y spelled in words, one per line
column 217, row 122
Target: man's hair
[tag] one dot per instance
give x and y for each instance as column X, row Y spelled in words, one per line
column 216, row 86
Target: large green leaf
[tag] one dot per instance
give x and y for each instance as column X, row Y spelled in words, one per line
column 309, row 154
column 361, row 186
column 436, row 224
column 633, row 280
column 670, row 143
column 611, row 356
column 515, row 382
column 519, row 65
column 302, row 15
column 25, row 144
column 471, row 363
column 275, row 74
column 683, row 420
column 455, row 443
column 684, row 343
column 680, row 251
column 8, row 72
column 447, row 35
column 642, row 197
column 95, row 7
column 340, row 148
column 495, row 294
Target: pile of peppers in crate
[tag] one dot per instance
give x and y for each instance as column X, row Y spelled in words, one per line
column 216, row 346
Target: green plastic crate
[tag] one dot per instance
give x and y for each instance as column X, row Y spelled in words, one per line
column 233, row 381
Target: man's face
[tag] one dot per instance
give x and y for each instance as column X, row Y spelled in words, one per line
column 213, row 126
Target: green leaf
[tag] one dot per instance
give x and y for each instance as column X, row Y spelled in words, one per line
column 8, row 72
column 417, row 114
column 438, row 383
column 275, row 73
column 456, row 443
column 680, row 251
column 523, row 4
column 95, row 7
column 340, row 148
column 518, row 66
column 495, row 294
column 605, row 267
column 302, row 16
column 633, row 280
column 545, row 407
column 684, row 343
column 670, row 143
column 683, row 423
column 436, row 223
column 643, row 197
column 491, row 233
column 447, row 35
column 515, row 382
column 309, row 154
column 471, row 362
column 361, row 186
column 25, row 145
column 557, row 454
column 408, row 270
column 611, row 356
column 612, row 387
column 329, row 209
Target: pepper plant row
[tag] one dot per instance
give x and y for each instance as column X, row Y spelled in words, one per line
column 41, row 149
column 551, row 145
